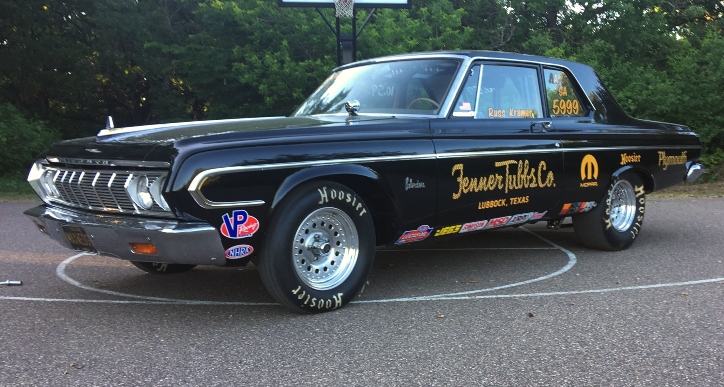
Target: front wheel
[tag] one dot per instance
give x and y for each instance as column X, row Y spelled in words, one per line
column 616, row 221
column 320, row 248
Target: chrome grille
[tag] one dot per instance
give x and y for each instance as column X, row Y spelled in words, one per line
column 101, row 190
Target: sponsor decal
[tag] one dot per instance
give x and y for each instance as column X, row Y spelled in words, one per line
column 409, row 184
column 421, row 233
column 343, row 196
column 448, row 230
column 473, row 226
column 239, row 251
column 575, row 208
column 519, row 219
column 589, row 171
column 239, row 225
column 514, row 175
column 667, row 160
column 502, row 221
column 630, row 158
column 497, row 222
column 313, row 302
column 538, row 215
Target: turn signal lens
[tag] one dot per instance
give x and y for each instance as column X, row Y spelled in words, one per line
column 143, row 248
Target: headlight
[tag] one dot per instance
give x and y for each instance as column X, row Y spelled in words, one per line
column 47, row 183
column 156, row 188
column 140, row 192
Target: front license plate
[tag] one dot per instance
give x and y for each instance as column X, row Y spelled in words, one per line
column 78, row 239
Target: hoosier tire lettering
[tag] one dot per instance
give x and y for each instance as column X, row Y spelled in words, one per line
column 343, row 196
column 329, row 304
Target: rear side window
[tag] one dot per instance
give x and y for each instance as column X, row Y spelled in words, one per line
column 495, row 91
column 563, row 101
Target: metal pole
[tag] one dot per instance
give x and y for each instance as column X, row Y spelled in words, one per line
column 354, row 34
column 339, row 45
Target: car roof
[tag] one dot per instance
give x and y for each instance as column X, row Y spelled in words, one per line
column 471, row 54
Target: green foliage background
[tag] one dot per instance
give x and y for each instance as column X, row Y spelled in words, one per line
column 66, row 65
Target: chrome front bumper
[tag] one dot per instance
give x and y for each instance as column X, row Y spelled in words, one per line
column 194, row 243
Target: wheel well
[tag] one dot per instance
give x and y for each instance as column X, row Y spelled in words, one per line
column 380, row 204
column 646, row 177
column 382, row 208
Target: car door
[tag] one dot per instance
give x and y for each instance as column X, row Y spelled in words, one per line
column 498, row 160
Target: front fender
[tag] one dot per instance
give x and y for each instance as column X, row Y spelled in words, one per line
column 321, row 172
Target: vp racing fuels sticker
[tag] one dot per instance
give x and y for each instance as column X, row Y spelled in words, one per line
column 421, row 233
column 239, row 225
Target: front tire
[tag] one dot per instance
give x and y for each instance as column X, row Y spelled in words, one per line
column 320, row 248
column 616, row 221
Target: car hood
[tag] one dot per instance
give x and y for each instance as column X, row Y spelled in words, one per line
column 164, row 142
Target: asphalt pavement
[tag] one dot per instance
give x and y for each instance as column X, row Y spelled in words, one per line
column 523, row 306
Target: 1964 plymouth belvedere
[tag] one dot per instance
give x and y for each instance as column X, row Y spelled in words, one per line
column 392, row 150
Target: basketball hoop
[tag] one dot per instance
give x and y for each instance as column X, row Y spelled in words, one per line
column 344, row 9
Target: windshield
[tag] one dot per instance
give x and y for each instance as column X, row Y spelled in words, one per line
column 402, row 87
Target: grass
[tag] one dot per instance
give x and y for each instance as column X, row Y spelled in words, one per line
column 692, row 190
column 16, row 189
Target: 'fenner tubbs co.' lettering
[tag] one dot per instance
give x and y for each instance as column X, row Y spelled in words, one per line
column 523, row 176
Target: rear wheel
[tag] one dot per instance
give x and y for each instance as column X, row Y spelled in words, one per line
column 320, row 248
column 162, row 268
column 616, row 221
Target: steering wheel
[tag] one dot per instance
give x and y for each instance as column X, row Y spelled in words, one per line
column 437, row 105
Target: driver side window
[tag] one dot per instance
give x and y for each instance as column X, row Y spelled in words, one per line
column 497, row 91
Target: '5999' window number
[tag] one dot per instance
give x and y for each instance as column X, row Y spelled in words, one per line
column 562, row 98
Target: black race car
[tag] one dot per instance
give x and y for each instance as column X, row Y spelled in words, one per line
column 393, row 150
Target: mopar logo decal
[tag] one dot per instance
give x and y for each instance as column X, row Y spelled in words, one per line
column 239, row 225
column 589, row 171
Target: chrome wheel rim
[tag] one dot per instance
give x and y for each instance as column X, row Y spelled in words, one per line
column 325, row 248
column 623, row 205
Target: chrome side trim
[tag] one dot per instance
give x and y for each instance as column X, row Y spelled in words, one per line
column 109, row 163
column 556, row 150
column 197, row 182
column 111, row 131
column 202, row 201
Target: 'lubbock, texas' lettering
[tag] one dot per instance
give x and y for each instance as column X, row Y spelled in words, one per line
column 666, row 160
column 516, row 175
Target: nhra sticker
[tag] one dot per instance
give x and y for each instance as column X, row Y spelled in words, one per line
column 421, row 233
column 239, row 225
column 239, row 251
